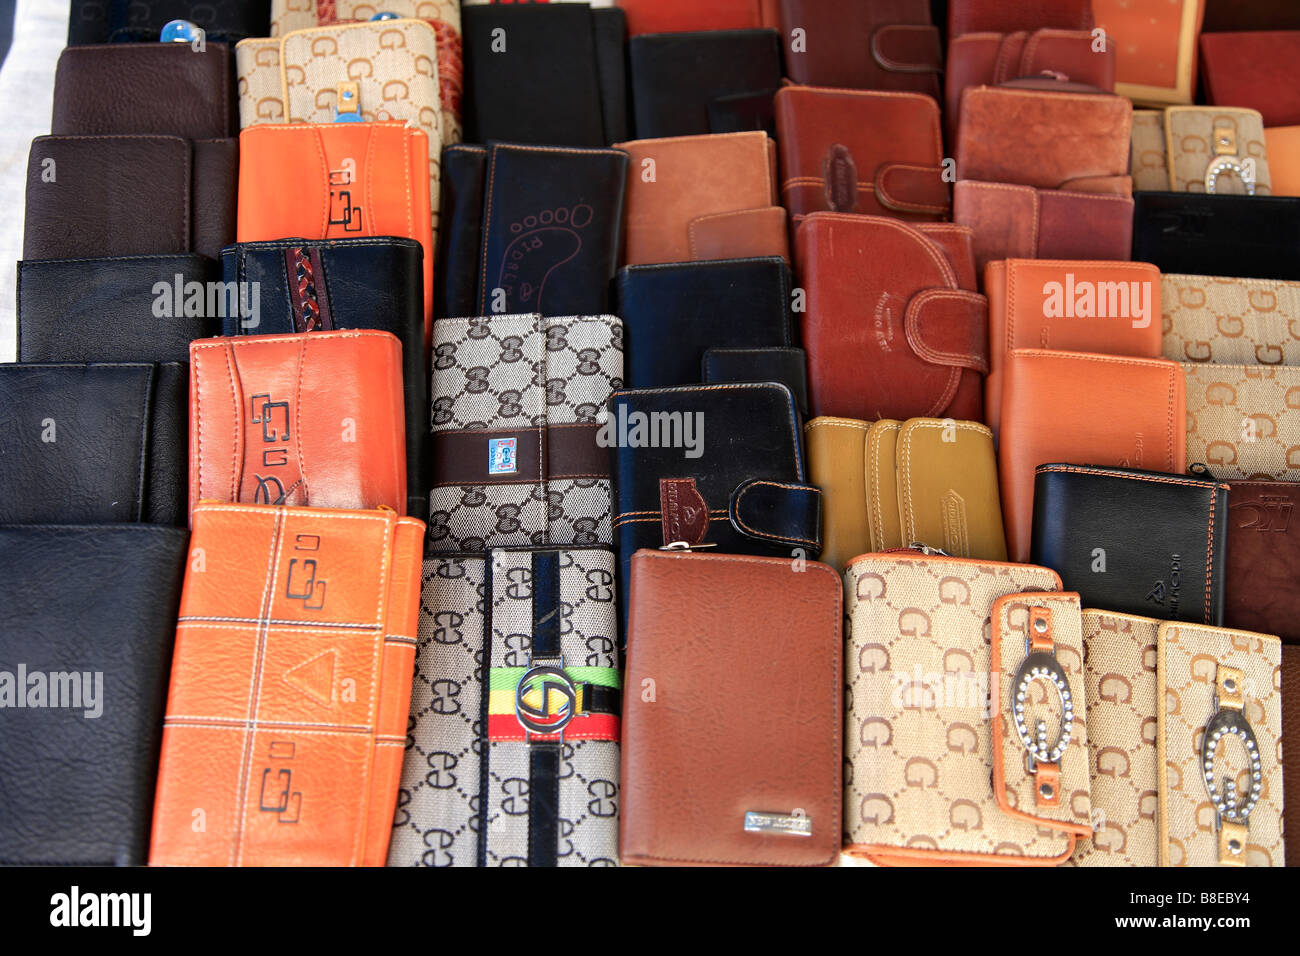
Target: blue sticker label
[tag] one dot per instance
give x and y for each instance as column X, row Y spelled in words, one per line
column 501, row 456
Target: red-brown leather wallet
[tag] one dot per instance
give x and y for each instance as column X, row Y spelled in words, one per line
column 1263, row 554
column 1258, row 70
column 1004, row 16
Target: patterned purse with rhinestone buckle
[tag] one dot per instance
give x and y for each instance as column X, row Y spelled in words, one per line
column 1200, row 149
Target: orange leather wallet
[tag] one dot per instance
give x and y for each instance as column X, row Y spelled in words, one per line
column 290, row 683
column 337, row 181
column 1083, row 408
column 313, row 420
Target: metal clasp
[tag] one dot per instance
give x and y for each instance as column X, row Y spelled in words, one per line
column 1042, row 759
column 1231, row 809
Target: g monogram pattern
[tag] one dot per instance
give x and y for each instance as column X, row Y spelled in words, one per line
column 1231, row 321
column 1187, row 135
column 1188, row 660
column 1243, row 421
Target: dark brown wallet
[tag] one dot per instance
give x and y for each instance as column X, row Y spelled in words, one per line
column 1262, row 557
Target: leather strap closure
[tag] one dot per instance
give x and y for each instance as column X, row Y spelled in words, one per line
column 907, row 48
column 949, row 327
column 911, row 187
column 778, row 513
column 479, row 456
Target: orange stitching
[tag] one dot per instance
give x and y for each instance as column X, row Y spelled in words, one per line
column 760, row 534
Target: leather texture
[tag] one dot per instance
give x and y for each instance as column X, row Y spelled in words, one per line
column 858, row 151
column 1229, row 321
column 1173, row 149
column 682, row 83
column 292, row 743
column 1162, row 539
column 890, row 484
column 1290, row 671
column 673, row 312
column 456, row 268
column 702, row 197
column 883, row 45
column 1263, row 552
column 115, row 309
column 1113, row 308
column 152, row 89
column 115, row 21
column 304, row 420
column 1046, row 139
column 893, row 327
column 1133, row 417
column 1005, row 16
column 96, row 443
column 789, row 366
column 1155, row 48
column 93, row 196
column 1254, row 70
column 688, row 16
column 688, row 785
column 80, row 773
column 1227, row 16
column 560, row 81
column 1243, row 421
column 1283, row 144
column 1255, row 237
column 365, row 284
column 1021, row 222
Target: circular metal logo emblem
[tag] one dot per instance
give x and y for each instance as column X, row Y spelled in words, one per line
column 545, row 700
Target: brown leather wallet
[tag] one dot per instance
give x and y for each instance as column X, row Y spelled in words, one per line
column 1263, row 552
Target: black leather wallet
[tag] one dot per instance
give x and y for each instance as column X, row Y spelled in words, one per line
column 685, row 84
column 1138, row 542
column 460, row 232
column 672, row 312
column 366, row 283
column 1255, row 237
column 115, row 309
column 80, row 769
column 116, row 21
column 552, row 75
column 94, row 443
column 785, row 365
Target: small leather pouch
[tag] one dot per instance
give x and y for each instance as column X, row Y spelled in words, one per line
column 517, row 449
column 1094, row 527
column 888, row 484
column 703, row 197
column 317, row 420
column 290, row 688
column 861, row 151
column 1200, row 149
column 94, row 196
column 1045, row 138
column 327, row 284
column 960, row 735
column 1021, row 222
column 686, row 84
column 158, row 305
column 747, row 786
column 1228, row 321
column 1255, row 237
column 1243, row 421
column 785, row 365
column 899, row 300
column 1155, row 48
column 117, row 21
column 95, row 443
column 1253, row 70
column 87, row 757
column 1081, row 407
column 1074, row 306
column 516, row 678
column 1263, row 553
column 864, row 46
column 1006, row 16
column 673, row 312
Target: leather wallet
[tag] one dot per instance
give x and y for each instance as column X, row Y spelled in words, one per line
column 1228, row 321
column 1256, row 237
column 884, row 45
column 1290, row 672
column 365, row 179
column 1072, row 306
column 96, row 443
column 1200, row 149
column 1139, row 542
column 703, row 197
column 152, row 89
column 1263, row 553
column 512, row 754
column 1253, row 70
column 893, row 327
column 81, row 763
column 788, row 366
column 559, row 79
column 1021, row 222
column 114, row 309
column 114, row 21
column 1080, row 407
column 860, row 151
column 346, row 284
column 290, row 686
column 1226, row 16
column 686, row 84
column 891, row 484
column 673, row 312
column 306, row 420
column 1155, row 48
column 1006, row 16
column 1283, row 144
column 1047, row 138
column 747, row 786
column 1243, row 421
column 689, row 16
column 538, row 229
column 93, row 196
column 519, row 457
column 936, row 770
column 990, row 59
